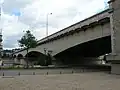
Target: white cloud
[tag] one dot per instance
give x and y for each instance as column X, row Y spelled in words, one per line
column 33, row 14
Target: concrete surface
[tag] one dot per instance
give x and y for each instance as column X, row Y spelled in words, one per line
column 82, row 81
column 52, row 71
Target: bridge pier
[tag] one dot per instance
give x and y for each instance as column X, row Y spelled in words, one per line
column 114, row 57
column 16, row 61
column 19, row 61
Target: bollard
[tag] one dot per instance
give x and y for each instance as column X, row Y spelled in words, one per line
column 80, row 70
column 72, row 72
column 60, row 72
column 47, row 73
column 33, row 73
column 83, row 69
column 3, row 74
column 19, row 73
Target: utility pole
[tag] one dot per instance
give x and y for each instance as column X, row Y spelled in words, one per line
column 47, row 23
column 1, row 47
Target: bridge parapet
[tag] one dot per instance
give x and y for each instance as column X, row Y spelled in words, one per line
column 88, row 21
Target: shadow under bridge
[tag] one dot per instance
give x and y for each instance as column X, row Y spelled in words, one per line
column 94, row 48
column 37, row 58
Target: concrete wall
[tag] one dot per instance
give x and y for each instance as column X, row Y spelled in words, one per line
column 114, row 57
column 115, row 69
column 115, row 28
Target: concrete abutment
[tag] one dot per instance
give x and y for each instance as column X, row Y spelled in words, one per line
column 114, row 57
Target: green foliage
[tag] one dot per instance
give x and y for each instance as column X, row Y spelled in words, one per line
column 28, row 40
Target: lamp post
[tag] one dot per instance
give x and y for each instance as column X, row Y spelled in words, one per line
column 1, row 47
column 47, row 23
column 45, row 51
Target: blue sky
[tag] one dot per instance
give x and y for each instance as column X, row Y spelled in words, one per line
column 16, row 12
column 21, row 15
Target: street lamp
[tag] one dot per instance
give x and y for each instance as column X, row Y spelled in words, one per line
column 1, row 47
column 47, row 23
column 45, row 51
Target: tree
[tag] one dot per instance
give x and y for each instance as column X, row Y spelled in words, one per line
column 27, row 41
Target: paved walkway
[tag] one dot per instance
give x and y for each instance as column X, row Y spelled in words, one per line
column 81, row 81
column 51, row 71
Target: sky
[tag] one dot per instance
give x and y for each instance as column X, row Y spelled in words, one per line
column 17, row 16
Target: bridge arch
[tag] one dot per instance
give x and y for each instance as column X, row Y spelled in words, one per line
column 93, row 48
column 19, row 56
column 32, row 54
column 14, row 56
column 36, row 57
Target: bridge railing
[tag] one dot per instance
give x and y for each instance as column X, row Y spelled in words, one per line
column 80, row 24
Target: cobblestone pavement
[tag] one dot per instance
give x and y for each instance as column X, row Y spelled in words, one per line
column 81, row 81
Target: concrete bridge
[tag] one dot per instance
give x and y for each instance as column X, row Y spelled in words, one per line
column 76, row 39
column 92, row 37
